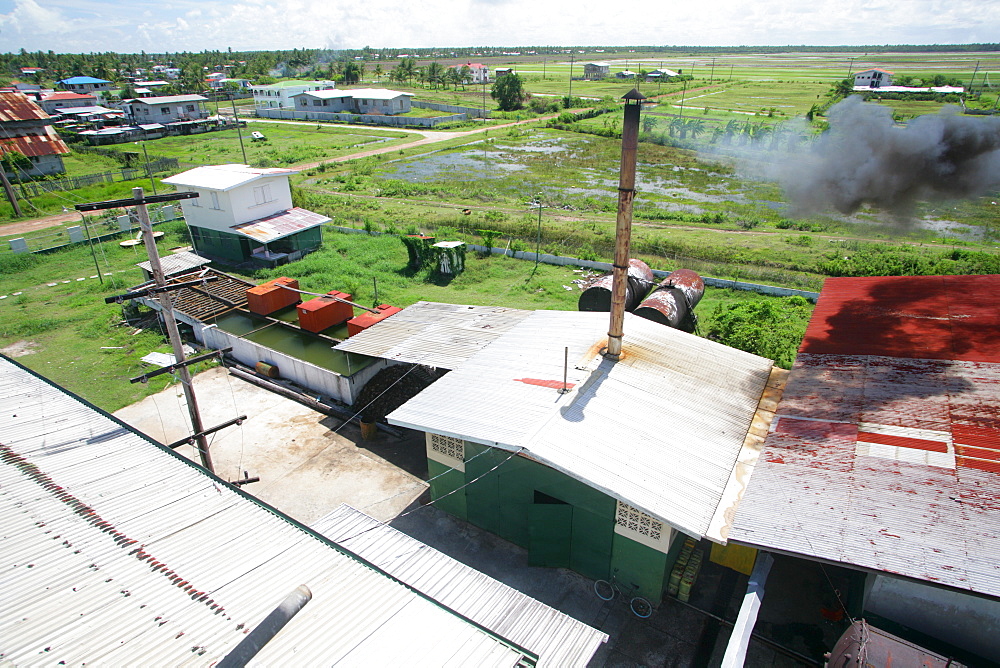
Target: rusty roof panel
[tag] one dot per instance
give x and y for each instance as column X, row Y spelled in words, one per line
column 47, row 143
column 19, row 107
column 889, row 459
column 280, row 225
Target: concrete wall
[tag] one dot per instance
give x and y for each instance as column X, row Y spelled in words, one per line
column 369, row 119
column 969, row 622
column 317, row 379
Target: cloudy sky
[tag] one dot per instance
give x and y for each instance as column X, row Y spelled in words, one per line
column 193, row 25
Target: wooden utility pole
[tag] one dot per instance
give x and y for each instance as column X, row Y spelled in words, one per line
column 10, row 191
column 172, row 333
column 139, row 201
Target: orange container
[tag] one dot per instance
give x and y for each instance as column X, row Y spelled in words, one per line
column 367, row 319
column 266, row 298
column 324, row 312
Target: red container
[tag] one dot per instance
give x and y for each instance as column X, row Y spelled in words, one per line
column 266, row 298
column 324, row 312
column 367, row 319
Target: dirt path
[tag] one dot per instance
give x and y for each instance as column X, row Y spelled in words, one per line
column 25, row 226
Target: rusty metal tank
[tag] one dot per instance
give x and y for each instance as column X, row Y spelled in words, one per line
column 597, row 295
column 672, row 302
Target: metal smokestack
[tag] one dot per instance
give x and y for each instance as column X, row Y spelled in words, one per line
column 623, row 231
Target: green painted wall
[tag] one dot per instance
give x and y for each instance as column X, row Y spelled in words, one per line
column 501, row 502
column 239, row 248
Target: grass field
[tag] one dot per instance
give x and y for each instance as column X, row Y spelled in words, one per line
column 52, row 305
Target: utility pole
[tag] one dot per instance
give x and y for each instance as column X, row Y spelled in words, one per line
column 569, row 98
column 711, row 77
column 149, row 171
column 90, row 240
column 139, row 201
column 10, row 192
column 538, row 237
column 232, row 98
column 850, row 68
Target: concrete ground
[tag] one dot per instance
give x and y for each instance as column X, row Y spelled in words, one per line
column 310, row 463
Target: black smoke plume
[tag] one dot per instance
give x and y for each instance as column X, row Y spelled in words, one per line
column 865, row 158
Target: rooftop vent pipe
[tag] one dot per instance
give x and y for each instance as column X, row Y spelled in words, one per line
column 623, row 230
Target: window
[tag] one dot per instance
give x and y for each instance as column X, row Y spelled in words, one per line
column 194, row 200
column 190, row 107
column 262, row 194
column 215, row 201
column 642, row 528
column 316, row 103
column 164, row 110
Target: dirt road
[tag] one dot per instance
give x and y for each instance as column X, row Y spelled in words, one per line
column 426, row 137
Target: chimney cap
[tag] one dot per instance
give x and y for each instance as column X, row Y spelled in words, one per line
column 634, row 95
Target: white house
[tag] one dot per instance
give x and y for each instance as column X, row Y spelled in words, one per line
column 54, row 102
column 478, row 73
column 355, row 101
column 165, row 109
column 246, row 213
column 279, row 95
column 873, row 78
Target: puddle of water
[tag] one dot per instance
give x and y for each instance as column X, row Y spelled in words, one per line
column 951, row 228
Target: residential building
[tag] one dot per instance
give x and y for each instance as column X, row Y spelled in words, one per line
column 478, row 73
column 117, row 549
column 26, row 129
column 502, row 71
column 598, row 466
column 625, row 74
column 354, row 101
column 885, row 455
column 84, row 84
column 245, row 213
column 165, row 109
column 873, row 78
column 279, row 95
column 53, row 102
column 596, row 71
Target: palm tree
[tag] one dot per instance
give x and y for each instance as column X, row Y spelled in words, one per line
column 435, row 73
column 378, row 72
column 695, row 126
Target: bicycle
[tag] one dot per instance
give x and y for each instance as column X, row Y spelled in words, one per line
column 607, row 590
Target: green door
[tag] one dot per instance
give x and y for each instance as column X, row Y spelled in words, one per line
column 550, row 527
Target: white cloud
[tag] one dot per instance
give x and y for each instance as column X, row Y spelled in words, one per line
column 193, row 25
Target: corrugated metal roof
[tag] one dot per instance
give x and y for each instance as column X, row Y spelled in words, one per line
column 116, row 551
column 16, row 106
column 176, row 263
column 280, row 225
column 660, row 430
column 63, row 95
column 83, row 80
column 168, row 99
column 886, row 450
column 224, row 177
column 557, row 639
column 435, row 334
column 47, row 143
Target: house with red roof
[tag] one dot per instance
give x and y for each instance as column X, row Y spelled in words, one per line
column 873, row 78
column 26, row 129
column 478, row 73
column 53, row 102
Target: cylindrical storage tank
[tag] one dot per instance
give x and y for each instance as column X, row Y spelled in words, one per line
column 597, row 295
column 672, row 302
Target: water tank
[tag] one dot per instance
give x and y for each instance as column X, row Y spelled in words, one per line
column 672, row 302
column 597, row 295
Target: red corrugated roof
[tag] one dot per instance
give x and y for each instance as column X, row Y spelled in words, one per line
column 35, row 145
column 67, row 96
column 929, row 317
column 19, row 107
column 885, row 452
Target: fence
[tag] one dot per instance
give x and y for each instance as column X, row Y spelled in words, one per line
column 472, row 112
column 36, row 188
column 100, row 229
column 366, row 119
column 545, row 258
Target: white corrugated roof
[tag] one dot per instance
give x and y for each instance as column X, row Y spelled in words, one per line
column 557, row 639
column 224, row 177
column 660, row 430
column 176, row 263
column 435, row 334
column 116, row 551
column 355, row 93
